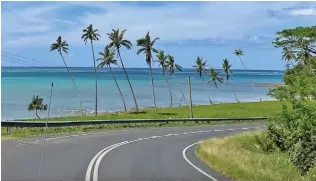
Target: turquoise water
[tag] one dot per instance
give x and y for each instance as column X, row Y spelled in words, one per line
column 20, row 84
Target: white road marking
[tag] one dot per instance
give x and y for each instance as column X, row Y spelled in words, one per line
column 197, row 168
column 88, row 173
column 99, row 156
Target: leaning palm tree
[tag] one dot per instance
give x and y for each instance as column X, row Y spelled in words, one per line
column 162, row 58
column 107, row 58
column 91, row 34
column 37, row 105
column 62, row 46
column 171, row 65
column 117, row 41
column 227, row 69
column 147, row 48
column 214, row 77
column 200, row 68
column 239, row 53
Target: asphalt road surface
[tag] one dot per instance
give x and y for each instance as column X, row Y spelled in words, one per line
column 133, row 155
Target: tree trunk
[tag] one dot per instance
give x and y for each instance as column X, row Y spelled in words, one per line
column 206, row 93
column 169, row 90
column 96, row 81
column 73, row 81
column 118, row 88
column 37, row 114
column 250, row 81
column 130, row 85
column 190, row 96
column 152, row 85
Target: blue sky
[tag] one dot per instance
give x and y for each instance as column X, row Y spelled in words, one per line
column 186, row 29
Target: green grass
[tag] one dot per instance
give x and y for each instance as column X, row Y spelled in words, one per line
column 241, row 158
column 250, row 109
column 255, row 109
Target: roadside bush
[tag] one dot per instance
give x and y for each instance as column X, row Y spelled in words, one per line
column 265, row 142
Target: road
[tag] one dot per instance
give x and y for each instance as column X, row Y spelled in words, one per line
column 133, row 155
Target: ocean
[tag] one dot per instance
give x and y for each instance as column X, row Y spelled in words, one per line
column 19, row 84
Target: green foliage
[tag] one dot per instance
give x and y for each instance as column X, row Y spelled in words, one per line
column 147, row 47
column 293, row 130
column 107, row 57
column 214, row 77
column 162, row 60
column 265, row 142
column 90, row 34
column 200, row 66
column 171, row 65
column 226, row 68
column 60, row 46
column 37, row 105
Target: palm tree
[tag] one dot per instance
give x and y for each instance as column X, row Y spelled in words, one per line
column 62, row 46
column 227, row 69
column 288, row 55
column 107, row 58
column 200, row 69
column 147, row 49
column 91, row 34
column 171, row 65
column 239, row 53
column 117, row 41
column 162, row 58
column 37, row 105
column 214, row 77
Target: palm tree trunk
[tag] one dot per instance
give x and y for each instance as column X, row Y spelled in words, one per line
column 73, row 81
column 169, row 89
column 152, row 85
column 96, row 81
column 186, row 102
column 118, row 88
column 206, row 93
column 250, row 80
column 130, row 85
column 37, row 114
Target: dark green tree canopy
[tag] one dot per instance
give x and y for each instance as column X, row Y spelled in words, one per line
column 162, row 58
column 214, row 77
column 107, row 57
column 117, row 39
column 172, row 65
column 200, row 66
column 226, row 68
column 60, row 46
column 90, row 34
column 147, row 47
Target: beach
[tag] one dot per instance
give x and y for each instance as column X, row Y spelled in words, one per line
column 20, row 84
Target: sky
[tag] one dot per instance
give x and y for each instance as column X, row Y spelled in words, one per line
column 212, row 30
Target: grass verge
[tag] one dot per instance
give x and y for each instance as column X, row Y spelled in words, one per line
column 241, row 158
column 246, row 109
column 28, row 132
column 250, row 109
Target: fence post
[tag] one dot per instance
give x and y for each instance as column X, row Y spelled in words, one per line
column 190, row 96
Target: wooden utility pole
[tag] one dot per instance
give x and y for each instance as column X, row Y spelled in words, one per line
column 190, row 96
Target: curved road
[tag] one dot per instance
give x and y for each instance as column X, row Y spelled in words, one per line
column 134, row 155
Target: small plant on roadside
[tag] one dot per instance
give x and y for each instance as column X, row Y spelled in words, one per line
column 37, row 105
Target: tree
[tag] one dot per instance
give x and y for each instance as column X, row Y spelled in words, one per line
column 116, row 42
column 37, row 105
column 200, row 68
column 239, row 53
column 214, row 77
column 293, row 130
column 107, row 58
column 162, row 58
column 171, row 66
column 62, row 46
column 227, row 69
column 91, row 34
column 147, row 48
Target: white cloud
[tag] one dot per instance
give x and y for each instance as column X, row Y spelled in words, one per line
column 170, row 22
column 304, row 12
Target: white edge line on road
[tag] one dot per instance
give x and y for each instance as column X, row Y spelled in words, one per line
column 88, row 173
column 97, row 163
column 197, row 168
